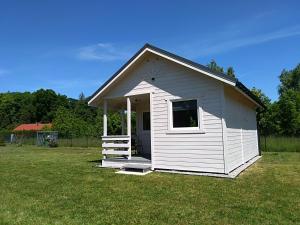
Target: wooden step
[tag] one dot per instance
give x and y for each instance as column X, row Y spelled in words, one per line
column 115, row 145
column 114, row 152
column 136, row 167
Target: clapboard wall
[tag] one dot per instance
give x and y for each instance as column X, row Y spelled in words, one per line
column 241, row 130
column 168, row 80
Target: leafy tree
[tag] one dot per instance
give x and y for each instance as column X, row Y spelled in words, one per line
column 230, row 72
column 289, row 112
column 68, row 125
column 289, row 101
column 15, row 108
column 81, row 97
column 282, row 117
column 219, row 69
column 215, row 67
column 114, row 125
column 46, row 103
column 98, row 124
column 268, row 122
column 82, row 110
column 290, row 80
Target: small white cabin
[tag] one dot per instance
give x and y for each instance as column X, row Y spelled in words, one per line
column 188, row 118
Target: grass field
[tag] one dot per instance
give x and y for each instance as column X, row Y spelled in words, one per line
column 63, row 186
column 280, row 144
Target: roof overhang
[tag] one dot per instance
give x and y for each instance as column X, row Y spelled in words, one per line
column 181, row 61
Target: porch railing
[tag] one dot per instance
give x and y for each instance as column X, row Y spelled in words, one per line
column 116, row 145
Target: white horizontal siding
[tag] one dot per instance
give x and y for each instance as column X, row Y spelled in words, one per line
column 234, row 154
column 191, row 152
column 241, row 130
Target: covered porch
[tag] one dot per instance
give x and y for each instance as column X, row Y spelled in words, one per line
column 132, row 145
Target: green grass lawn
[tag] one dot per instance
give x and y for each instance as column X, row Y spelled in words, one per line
column 63, row 186
column 280, row 144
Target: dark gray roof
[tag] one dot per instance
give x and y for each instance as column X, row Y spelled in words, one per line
column 239, row 85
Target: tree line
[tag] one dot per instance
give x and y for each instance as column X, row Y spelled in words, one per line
column 70, row 117
column 74, row 118
column 282, row 117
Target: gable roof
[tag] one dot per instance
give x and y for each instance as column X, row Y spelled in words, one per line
column 32, row 126
column 185, row 62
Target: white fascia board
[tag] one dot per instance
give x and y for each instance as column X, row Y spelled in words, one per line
column 166, row 57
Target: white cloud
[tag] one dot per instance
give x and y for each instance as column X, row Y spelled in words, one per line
column 253, row 31
column 103, row 52
column 238, row 42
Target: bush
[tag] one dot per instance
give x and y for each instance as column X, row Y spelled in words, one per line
column 53, row 144
column 2, row 142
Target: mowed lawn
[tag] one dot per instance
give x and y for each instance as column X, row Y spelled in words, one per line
column 63, row 186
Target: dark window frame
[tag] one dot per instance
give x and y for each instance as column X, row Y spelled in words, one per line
column 192, row 111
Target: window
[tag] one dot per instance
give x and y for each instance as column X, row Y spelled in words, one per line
column 185, row 114
column 146, row 120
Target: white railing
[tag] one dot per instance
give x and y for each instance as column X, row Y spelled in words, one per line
column 116, row 145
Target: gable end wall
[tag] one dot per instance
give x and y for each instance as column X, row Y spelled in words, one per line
column 190, row 152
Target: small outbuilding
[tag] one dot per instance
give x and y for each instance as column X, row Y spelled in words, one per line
column 188, row 118
column 31, row 131
column 32, row 126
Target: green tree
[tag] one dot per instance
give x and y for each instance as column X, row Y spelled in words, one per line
column 68, row 125
column 46, row 103
column 114, row 125
column 230, row 72
column 268, row 120
column 98, row 124
column 219, row 69
column 289, row 101
column 289, row 112
column 215, row 67
column 83, row 110
column 290, row 80
column 16, row 108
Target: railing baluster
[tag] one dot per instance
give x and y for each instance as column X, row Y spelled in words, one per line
column 115, row 145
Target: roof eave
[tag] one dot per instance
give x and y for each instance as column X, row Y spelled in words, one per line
column 248, row 93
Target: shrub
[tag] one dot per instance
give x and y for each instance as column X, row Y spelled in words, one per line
column 53, row 144
column 2, row 142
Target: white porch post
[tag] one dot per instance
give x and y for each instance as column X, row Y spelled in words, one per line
column 122, row 122
column 105, row 118
column 104, row 122
column 129, row 125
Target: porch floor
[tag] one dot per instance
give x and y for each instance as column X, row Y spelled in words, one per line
column 119, row 162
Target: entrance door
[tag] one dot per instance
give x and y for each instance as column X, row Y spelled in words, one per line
column 144, row 133
column 143, row 125
column 146, row 138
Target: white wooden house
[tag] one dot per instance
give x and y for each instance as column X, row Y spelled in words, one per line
column 188, row 118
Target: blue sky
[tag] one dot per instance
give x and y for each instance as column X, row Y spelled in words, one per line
column 74, row 46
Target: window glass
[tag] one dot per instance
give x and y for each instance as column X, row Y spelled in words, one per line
column 146, row 120
column 185, row 113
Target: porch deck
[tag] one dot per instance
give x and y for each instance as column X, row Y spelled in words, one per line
column 119, row 162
